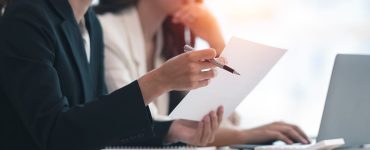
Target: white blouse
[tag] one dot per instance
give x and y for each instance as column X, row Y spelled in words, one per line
column 85, row 38
column 125, row 54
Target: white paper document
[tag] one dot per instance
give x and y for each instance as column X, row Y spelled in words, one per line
column 252, row 60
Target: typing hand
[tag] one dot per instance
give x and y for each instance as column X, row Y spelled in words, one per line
column 196, row 133
column 275, row 131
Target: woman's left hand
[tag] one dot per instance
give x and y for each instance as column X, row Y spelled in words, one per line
column 202, row 23
column 196, row 133
column 270, row 133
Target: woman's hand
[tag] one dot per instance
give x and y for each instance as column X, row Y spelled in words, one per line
column 196, row 133
column 202, row 23
column 183, row 72
column 186, row 71
column 273, row 132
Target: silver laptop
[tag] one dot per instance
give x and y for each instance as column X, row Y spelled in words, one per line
column 347, row 108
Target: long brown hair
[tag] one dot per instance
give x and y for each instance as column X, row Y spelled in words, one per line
column 173, row 34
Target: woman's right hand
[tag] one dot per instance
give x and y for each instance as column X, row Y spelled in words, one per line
column 183, row 72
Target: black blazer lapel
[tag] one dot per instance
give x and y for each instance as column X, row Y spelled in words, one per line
column 76, row 46
column 94, row 46
column 75, row 42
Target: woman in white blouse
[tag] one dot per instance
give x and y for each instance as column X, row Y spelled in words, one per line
column 140, row 35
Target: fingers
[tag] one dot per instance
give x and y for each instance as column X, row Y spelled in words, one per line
column 294, row 135
column 300, row 131
column 215, row 126
column 200, row 55
column 292, row 132
column 187, row 18
column 199, row 133
column 202, row 83
column 282, row 137
column 206, row 75
column 203, row 79
column 206, row 65
column 207, row 131
column 220, row 114
column 179, row 14
column 211, row 123
column 223, row 60
column 214, row 120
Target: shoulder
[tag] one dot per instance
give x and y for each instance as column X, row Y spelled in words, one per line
column 113, row 21
column 110, row 16
column 32, row 12
column 28, row 16
column 24, row 25
column 114, row 27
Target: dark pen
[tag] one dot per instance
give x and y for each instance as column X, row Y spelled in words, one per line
column 188, row 48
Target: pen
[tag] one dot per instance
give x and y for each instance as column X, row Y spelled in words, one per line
column 188, row 48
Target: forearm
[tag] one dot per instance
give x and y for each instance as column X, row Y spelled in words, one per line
column 106, row 117
column 225, row 136
column 217, row 42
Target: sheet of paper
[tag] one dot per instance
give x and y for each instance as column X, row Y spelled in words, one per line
column 252, row 60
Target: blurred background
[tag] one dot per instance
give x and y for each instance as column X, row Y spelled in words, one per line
column 313, row 31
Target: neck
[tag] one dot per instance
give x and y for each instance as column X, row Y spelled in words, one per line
column 79, row 8
column 151, row 18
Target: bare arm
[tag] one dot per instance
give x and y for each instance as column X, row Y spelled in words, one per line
column 226, row 136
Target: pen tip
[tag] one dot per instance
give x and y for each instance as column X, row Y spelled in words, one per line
column 236, row 73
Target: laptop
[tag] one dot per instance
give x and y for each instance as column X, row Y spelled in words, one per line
column 347, row 107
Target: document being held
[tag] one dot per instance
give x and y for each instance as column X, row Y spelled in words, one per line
column 252, row 60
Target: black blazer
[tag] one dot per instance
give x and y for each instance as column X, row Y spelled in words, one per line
column 51, row 97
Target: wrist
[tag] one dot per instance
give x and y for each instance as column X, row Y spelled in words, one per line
column 171, row 136
column 151, row 86
column 243, row 136
column 160, row 79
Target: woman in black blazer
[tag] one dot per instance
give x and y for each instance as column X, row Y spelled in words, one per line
column 52, row 92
